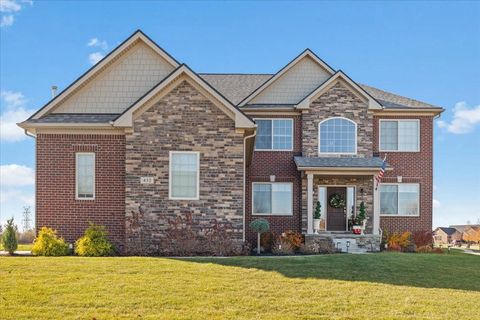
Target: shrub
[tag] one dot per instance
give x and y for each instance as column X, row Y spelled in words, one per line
column 94, row 243
column 49, row 244
column 282, row 247
column 294, row 238
column 9, row 237
column 259, row 226
column 401, row 242
column 424, row 249
column 437, row 250
column 219, row 241
column 181, row 239
column 266, row 241
column 422, row 238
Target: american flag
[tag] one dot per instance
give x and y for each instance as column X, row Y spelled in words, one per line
column 380, row 174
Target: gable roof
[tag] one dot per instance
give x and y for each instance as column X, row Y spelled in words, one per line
column 339, row 75
column 463, row 227
column 101, row 65
column 448, row 231
column 306, row 53
column 241, row 120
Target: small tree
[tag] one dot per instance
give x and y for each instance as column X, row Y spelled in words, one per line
column 9, row 237
column 259, row 226
column 362, row 215
column 318, row 211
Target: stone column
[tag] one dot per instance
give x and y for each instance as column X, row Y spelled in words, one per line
column 309, row 203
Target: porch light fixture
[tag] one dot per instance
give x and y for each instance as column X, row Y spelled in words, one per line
column 272, row 178
column 399, row 179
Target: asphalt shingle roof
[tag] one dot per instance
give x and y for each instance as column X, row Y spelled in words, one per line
column 333, row 162
column 448, row 231
column 76, row 118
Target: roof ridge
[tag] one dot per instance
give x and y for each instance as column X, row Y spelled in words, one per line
column 234, row 74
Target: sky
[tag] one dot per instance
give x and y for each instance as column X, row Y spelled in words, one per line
column 429, row 51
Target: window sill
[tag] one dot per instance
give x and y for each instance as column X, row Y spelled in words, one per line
column 400, row 215
column 272, row 215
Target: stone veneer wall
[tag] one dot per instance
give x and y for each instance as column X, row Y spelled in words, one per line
column 183, row 120
column 365, row 182
column 338, row 101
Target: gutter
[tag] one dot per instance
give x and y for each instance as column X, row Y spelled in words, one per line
column 244, row 177
column 29, row 134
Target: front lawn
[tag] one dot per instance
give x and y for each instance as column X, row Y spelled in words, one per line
column 384, row 285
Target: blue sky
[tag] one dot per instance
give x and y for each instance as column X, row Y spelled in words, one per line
column 426, row 50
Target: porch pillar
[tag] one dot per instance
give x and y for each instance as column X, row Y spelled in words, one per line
column 309, row 203
column 376, row 209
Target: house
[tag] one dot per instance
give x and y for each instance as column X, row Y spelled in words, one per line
column 140, row 139
column 471, row 234
column 443, row 235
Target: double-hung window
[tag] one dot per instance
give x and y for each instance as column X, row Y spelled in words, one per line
column 184, row 175
column 274, row 134
column 400, row 199
column 400, row 135
column 272, row 198
column 85, row 175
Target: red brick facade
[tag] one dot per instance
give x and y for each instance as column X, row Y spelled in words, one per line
column 413, row 167
column 56, row 206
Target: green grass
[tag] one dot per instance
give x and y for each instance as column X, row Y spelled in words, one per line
column 21, row 247
column 384, row 285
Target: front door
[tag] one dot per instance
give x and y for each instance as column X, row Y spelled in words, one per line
column 336, row 216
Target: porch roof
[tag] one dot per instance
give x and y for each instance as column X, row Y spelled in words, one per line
column 336, row 164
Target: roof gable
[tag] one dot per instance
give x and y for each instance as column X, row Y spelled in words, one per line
column 339, row 76
column 118, row 79
column 183, row 73
column 292, row 82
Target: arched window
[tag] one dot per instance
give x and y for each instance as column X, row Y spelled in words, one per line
column 337, row 135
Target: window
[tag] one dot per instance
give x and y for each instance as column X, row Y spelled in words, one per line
column 399, row 199
column 274, row 134
column 272, row 198
column 399, row 135
column 85, row 176
column 184, row 175
column 337, row 135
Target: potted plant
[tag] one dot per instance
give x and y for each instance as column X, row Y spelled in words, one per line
column 316, row 217
column 357, row 222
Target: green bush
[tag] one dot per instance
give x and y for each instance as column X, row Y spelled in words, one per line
column 94, row 243
column 49, row 244
column 9, row 237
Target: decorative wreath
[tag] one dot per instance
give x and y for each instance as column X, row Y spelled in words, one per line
column 336, row 201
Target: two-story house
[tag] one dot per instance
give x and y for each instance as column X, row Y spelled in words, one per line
column 141, row 138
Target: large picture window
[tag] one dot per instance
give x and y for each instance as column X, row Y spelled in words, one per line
column 337, row 136
column 85, row 175
column 274, row 134
column 184, row 175
column 399, row 135
column 272, row 198
column 399, row 199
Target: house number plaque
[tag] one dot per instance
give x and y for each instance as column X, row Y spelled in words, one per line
column 146, row 180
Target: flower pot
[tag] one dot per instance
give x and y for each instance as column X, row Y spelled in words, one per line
column 357, row 229
column 316, row 224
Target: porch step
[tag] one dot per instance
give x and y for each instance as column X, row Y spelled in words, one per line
column 347, row 242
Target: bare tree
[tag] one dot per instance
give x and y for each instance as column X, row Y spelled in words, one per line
column 469, row 222
column 26, row 218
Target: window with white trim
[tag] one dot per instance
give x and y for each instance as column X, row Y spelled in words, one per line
column 337, row 136
column 274, row 134
column 184, row 175
column 400, row 135
column 401, row 199
column 85, row 175
column 272, row 198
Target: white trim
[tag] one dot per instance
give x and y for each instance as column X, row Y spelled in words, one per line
column 398, row 199
column 397, row 120
column 292, row 139
column 337, row 153
column 282, row 71
column 170, row 197
column 138, row 35
column 272, row 214
column 76, row 174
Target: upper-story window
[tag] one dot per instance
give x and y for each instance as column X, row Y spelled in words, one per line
column 400, row 135
column 337, row 136
column 274, row 134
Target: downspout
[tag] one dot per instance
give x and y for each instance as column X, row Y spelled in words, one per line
column 244, row 176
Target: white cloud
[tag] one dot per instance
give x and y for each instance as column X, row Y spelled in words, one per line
column 16, row 175
column 436, row 204
column 9, row 6
column 95, row 57
column 13, row 111
column 7, row 21
column 17, row 196
column 464, row 119
column 94, row 42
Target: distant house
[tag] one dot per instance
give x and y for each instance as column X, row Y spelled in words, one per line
column 471, row 234
column 443, row 235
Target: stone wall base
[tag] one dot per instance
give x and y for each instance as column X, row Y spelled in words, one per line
column 344, row 242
